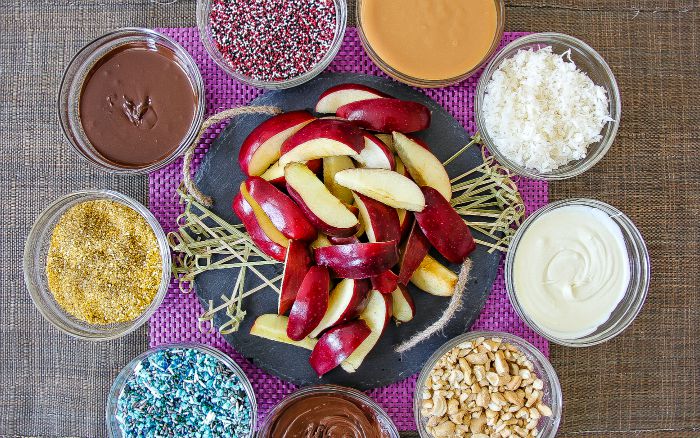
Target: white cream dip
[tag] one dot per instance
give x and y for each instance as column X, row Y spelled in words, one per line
column 570, row 270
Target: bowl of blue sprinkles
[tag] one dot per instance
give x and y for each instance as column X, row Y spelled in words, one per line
column 181, row 390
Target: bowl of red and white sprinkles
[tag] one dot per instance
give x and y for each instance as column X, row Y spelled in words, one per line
column 272, row 44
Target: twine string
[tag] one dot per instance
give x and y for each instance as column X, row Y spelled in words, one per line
column 209, row 122
column 452, row 308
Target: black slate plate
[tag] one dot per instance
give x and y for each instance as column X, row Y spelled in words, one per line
column 219, row 176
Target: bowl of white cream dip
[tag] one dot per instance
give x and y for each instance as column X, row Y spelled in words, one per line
column 577, row 272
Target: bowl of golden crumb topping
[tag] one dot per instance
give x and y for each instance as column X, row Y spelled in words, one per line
column 96, row 264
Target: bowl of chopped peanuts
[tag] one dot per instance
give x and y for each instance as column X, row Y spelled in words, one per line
column 97, row 264
column 483, row 384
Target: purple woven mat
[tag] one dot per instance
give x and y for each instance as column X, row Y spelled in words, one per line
column 176, row 319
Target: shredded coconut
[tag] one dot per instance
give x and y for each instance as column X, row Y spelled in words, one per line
column 541, row 111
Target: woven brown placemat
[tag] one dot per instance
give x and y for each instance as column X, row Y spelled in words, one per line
column 646, row 382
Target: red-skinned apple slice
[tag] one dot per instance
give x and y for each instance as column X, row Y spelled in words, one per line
column 322, row 138
column 347, row 300
column 319, row 205
column 321, row 241
column 343, row 240
column 386, row 115
column 444, row 227
column 310, row 304
column 284, row 214
column 337, row 344
column 275, row 249
column 275, row 174
column 296, row 265
column 402, row 304
column 375, row 154
column 434, row 278
column 405, row 221
column 274, row 328
column 424, row 167
column 376, row 315
column 385, row 282
column 381, row 221
column 335, row 97
column 262, row 146
column 412, row 252
column 387, row 139
column 358, row 260
column 385, row 186
column 331, row 166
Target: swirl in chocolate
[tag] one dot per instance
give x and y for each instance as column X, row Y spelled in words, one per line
column 326, row 416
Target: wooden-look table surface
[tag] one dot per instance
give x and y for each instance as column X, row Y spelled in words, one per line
column 646, row 382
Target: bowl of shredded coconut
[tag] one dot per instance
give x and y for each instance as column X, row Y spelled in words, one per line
column 548, row 106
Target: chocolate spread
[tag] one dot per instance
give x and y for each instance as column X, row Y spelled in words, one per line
column 326, row 416
column 137, row 104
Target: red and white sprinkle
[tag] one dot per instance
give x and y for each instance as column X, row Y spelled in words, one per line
column 273, row 40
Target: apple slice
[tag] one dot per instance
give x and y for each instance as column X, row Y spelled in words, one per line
column 296, row 265
column 275, row 173
column 381, row 221
column 400, row 167
column 310, row 304
column 277, row 249
column 444, row 227
column 319, row 205
column 347, row 300
column 434, row 278
column 262, row 146
column 412, row 252
column 405, row 221
column 402, row 304
column 337, row 344
column 321, row 241
column 331, row 166
column 387, row 139
column 385, row 282
column 343, row 240
column 322, row 138
column 274, row 328
column 358, row 260
column 376, row 315
column 375, row 154
column 424, row 167
column 386, row 186
column 335, row 97
column 284, row 214
column 386, row 115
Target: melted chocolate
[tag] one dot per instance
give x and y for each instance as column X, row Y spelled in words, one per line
column 326, row 416
column 137, row 104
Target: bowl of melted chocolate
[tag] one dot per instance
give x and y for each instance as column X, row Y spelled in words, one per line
column 328, row 411
column 131, row 101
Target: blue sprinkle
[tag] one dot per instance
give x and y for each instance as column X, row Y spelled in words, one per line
column 183, row 392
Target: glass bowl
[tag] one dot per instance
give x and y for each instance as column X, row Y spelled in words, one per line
column 72, row 84
column 36, row 251
column 429, row 83
column 341, row 391
column 203, row 24
column 640, row 275
column 552, row 395
column 113, row 429
column 588, row 61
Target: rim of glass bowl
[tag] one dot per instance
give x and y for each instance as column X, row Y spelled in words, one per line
column 614, row 103
column 430, row 83
column 72, row 82
column 203, row 11
column 34, row 264
column 359, row 396
column 550, row 378
column 637, row 288
column 115, row 391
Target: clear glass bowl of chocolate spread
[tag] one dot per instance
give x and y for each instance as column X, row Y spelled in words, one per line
column 131, row 101
column 328, row 411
